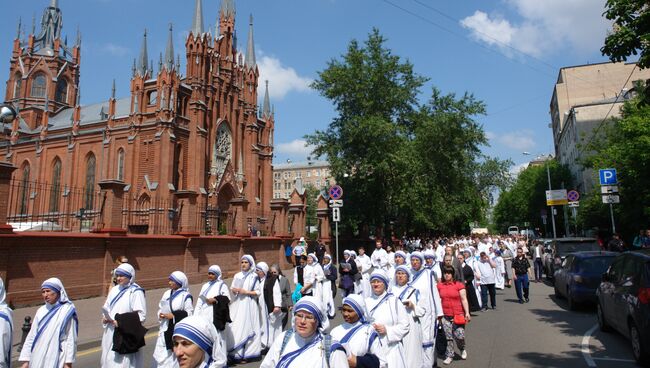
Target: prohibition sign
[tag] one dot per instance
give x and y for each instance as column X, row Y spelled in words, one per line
column 573, row 196
column 335, row 192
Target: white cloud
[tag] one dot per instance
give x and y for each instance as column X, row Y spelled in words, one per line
column 523, row 140
column 115, row 50
column 518, row 168
column 545, row 26
column 296, row 149
column 282, row 79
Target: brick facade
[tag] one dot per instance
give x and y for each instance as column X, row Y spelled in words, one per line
column 192, row 140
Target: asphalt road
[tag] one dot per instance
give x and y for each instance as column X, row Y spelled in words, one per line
column 542, row 333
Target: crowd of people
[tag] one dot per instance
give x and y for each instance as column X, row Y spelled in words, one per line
column 402, row 307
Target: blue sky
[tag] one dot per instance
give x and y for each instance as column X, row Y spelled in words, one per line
column 506, row 52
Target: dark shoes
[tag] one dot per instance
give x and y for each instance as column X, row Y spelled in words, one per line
column 527, row 300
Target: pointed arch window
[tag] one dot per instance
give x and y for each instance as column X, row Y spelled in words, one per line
column 18, row 84
column 55, row 193
column 120, row 164
column 89, row 190
column 38, row 86
column 23, row 195
column 61, row 91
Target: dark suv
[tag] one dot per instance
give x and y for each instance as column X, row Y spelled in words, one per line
column 559, row 248
column 624, row 301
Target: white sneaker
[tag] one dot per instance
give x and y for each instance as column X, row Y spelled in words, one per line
column 447, row 361
column 463, row 354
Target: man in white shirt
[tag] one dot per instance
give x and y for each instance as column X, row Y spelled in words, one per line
column 379, row 258
column 365, row 269
column 486, row 268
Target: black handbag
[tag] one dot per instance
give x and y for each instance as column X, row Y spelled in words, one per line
column 441, row 341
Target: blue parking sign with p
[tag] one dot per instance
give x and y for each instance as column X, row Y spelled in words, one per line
column 608, row 177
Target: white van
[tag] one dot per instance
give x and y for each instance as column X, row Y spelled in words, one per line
column 513, row 230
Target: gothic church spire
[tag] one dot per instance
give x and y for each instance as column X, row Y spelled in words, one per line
column 144, row 57
column 266, row 107
column 250, row 50
column 197, row 22
column 169, row 50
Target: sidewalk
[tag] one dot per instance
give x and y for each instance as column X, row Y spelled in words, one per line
column 89, row 314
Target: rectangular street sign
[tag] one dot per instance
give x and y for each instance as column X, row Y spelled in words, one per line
column 574, row 204
column 556, row 197
column 607, row 176
column 609, row 189
column 336, row 214
column 611, row 199
column 336, row 203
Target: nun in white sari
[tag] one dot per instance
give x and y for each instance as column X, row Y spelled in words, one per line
column 304, row 346
column 209, row 291
column 319, row 276
column 389, row 318
column 176, row 298
column 125, row 297
column 196, row 330
column 243, row 338
column 6, row 328
column 423, row 280
column 328, row 297
column 415, row 307
column 356, row 339
column 52, row 340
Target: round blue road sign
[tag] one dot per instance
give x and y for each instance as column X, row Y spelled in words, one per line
column 573, row 196
column 335, row 192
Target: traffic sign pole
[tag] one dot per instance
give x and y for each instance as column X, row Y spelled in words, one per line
column 336, row 235
column 611, row 213
column 548, row 175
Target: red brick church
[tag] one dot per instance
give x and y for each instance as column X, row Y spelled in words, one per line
column 185, row 151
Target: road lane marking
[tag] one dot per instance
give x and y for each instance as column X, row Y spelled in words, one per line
column 586, row 351
column 99, row 348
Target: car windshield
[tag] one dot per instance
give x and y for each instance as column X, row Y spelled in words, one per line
column 596, row 264
column 564, row 248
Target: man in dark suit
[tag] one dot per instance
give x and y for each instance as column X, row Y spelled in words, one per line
column 285, row 290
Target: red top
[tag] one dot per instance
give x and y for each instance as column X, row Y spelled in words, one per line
column 450, row 297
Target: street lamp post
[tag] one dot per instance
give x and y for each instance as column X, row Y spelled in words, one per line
column 548, row 176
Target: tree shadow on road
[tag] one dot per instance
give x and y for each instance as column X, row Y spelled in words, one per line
column 560, row 360
column 571, row 323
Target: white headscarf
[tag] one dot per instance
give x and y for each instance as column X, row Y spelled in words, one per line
column 215, row 270
column 382, row 276
column 262, row 266
column 358, row 303
column 126, row 270
column 201, row 332
column 315, row 307
column 179, row 278
column 313, row 257
column 3, row 295
column 56, row 285
column 250, row 260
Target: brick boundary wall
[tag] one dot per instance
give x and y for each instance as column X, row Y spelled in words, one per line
column 84, row 262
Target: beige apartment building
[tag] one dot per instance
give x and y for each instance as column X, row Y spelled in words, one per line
column 290, row 175
column 583, row 97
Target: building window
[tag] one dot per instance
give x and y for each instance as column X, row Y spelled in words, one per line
column 309, row 174
column 38, row 86
column 61, row 91
column 153, row 97
column 24, row 190
column 18, row 83
column 56, row 186
column 89, row 190
column 120, row 164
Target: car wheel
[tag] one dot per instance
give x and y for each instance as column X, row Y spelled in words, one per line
column 637, row 348
column 569, row 299
column 602, row 323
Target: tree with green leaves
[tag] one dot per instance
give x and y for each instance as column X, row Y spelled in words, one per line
column 404, row 166
column 624, row 144
column 525, row 200
column 631, row 33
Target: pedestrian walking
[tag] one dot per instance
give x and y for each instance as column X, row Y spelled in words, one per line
column 390, row 319
column 456, row 313
column 52, row 340
column 348, row 271
column 269, row 302
column 210, row 291
column 537, row 252
column 197, row 344
column 379, row 257
column 329, row 286
column 415, row 308
column 520, row 266
column 486, row 268
column 126, row 299
column 305, row 345
column 499, row 271
column 299, row 250
column 6, row 328
column 470, row 288
column 243, row 338
column 175, row 304
column 285, row 291
column 355, row 338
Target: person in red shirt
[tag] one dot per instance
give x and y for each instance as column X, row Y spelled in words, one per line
column 456, row 313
